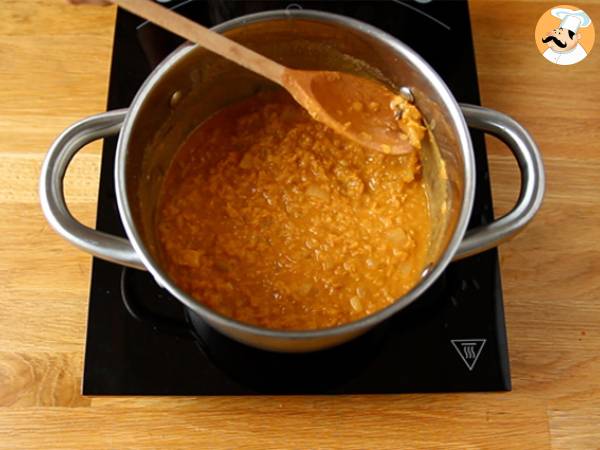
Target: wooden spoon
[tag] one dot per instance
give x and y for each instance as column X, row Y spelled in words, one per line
column 355, row 107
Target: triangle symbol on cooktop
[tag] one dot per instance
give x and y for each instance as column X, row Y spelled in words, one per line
column 469, row 350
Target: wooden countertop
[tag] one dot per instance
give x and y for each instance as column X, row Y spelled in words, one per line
column 54, row 64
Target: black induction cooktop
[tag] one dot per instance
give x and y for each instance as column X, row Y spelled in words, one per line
column 141, row 342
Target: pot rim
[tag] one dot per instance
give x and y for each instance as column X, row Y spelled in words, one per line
column 455, row 115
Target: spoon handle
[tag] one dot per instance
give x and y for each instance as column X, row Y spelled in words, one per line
column 214, row 42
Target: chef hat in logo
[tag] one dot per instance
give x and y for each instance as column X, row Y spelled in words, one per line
column 571, row 19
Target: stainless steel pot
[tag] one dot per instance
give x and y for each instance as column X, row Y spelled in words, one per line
column 193, row 83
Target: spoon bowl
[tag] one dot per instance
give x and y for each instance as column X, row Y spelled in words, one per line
column 355, row 107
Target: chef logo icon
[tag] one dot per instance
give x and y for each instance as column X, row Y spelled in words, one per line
column 564, row 35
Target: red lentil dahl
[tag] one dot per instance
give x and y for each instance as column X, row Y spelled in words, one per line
column 270, row 218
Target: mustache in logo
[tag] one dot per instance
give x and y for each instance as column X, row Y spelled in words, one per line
column 556, row 41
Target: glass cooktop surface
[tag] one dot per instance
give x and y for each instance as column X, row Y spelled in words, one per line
column 140, row 341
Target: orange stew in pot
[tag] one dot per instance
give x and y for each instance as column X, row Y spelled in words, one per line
column 268, row 217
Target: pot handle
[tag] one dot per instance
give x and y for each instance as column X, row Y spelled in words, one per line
column 528, row 157
column 106, row 246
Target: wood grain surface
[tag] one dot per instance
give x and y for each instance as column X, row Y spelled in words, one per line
column 54, row 64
